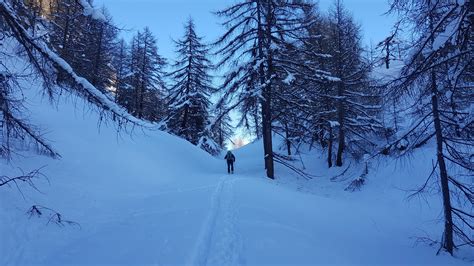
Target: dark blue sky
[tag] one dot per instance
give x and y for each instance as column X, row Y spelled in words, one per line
column 166, row 17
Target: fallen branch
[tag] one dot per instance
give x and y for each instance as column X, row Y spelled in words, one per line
column 334, row 178
column 357, row 183
column 282, row 160
column 54, row 216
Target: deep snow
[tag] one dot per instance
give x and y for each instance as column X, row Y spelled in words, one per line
column 155, row 199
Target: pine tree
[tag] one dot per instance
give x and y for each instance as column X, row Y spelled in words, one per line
column 189, row 96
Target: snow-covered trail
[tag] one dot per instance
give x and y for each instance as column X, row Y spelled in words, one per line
column 233, row 220
column 219, row 241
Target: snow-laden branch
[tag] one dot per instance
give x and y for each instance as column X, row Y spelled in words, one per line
column 89, row 10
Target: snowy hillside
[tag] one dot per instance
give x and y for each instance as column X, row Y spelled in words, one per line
column 155, row 199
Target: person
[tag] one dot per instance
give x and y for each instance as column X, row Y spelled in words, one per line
column 230, row 162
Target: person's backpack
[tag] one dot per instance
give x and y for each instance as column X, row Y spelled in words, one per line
column 230, row 157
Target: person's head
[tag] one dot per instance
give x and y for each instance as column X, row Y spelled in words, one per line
column 229, row 152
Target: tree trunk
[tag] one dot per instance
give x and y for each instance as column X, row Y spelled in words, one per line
column 448, row 243
column 183, row 130
column 64, row 50
column 330, row 140
column 267, row 95
column 118, row 85
column 143, row 81
column 340, row 91
column 340, row 120
column 98, row 58
column 287, row 138
column 321, row 135
column 261, row 73
column 65, row 36
column 267, row 134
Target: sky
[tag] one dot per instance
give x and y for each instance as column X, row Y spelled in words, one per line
column 165, row 18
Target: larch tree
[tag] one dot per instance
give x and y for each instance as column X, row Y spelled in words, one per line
column 301, row 76
column 256, row 29
column 318, row 108
column 68, row 32
column 101, row 42
column 145, row 80
column 356, row 103
column 84, row 42
column 437, row 81
column 121, row 64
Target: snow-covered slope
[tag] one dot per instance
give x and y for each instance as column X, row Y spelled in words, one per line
column 120, row 189
column 316, row 221
column 155, row 199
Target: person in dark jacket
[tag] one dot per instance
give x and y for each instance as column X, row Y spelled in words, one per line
column 230, row 162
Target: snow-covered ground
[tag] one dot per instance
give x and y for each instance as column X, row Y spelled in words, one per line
column 155, row 199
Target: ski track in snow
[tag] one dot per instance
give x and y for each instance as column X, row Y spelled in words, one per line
column 16, row 253
column 219, row 242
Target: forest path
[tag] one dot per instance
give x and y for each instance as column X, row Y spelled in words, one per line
column 219, row 241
